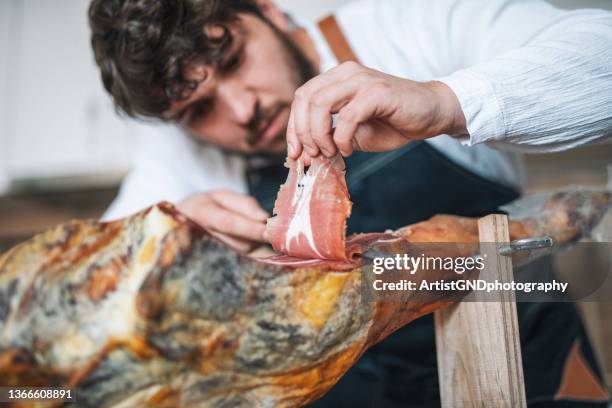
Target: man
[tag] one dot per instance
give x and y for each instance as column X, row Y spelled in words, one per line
column 225, row 74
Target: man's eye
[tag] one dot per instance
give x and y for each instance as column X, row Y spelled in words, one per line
column 232, row 62
column 197, row 110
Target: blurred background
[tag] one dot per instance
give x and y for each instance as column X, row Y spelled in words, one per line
column 63, row 150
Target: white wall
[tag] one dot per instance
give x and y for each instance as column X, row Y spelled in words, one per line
column 55, row 119
column 4, row 92
column 319, row 8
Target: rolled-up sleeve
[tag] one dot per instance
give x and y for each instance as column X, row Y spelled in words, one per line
column 551, row 91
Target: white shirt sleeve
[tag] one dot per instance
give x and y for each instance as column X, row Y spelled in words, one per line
column 533, row 77
column 169, row 166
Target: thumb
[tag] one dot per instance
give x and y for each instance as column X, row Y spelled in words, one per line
column 377, row 136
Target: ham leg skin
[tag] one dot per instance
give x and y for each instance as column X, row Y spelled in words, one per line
column 151, row 311
column 311, row 211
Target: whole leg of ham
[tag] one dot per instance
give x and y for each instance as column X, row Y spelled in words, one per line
column 151, row 311
column 311, row 210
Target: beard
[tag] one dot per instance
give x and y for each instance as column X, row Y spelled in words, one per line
column 294, row 56
column 302, row 70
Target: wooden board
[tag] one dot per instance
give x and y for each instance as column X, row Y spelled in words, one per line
column 478, row 343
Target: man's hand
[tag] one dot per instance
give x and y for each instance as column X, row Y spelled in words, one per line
column 234, row 218
column 376, row 112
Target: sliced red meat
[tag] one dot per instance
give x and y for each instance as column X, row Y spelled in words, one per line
column 311, row 211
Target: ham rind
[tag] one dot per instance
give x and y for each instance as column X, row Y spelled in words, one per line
column 311, row 211
column 355, row 245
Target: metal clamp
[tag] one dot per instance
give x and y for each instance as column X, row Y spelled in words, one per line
column 526, row 244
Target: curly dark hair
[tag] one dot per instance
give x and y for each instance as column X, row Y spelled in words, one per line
column 143, row 46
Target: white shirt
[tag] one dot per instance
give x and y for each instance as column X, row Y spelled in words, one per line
column 536, row 78
column 524, row 72
column 170, row 166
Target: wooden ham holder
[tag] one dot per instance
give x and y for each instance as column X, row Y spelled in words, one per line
column 478, row 344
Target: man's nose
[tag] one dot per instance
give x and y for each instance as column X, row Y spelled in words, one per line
column 240, row 100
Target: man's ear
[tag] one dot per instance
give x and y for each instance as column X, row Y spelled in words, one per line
column 271, row 11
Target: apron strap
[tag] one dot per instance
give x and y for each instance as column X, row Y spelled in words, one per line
column 336, row 40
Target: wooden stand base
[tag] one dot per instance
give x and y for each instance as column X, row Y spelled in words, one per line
column 478, row 342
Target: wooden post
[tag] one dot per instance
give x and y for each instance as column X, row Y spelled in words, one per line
column 478, row 343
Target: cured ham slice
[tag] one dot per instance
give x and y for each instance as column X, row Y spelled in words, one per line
column 311, row 211
column 355, row 244
column 151, row 311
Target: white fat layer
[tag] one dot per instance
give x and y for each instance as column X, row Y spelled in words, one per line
column 290, row 261
column 301, row 223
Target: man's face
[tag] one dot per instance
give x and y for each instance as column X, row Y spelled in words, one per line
column 244, row 104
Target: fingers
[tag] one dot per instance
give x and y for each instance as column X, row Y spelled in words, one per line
column 306, row 159
column 310, row 125
column 262, row 251
column 234, row 218
column 224, row 221
column 240, row 245
column 242, row 204
column 364, row 99
column 294, row 147
column 323, row 104
column 377, row 136
column 301, row 123
column 350, row 117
